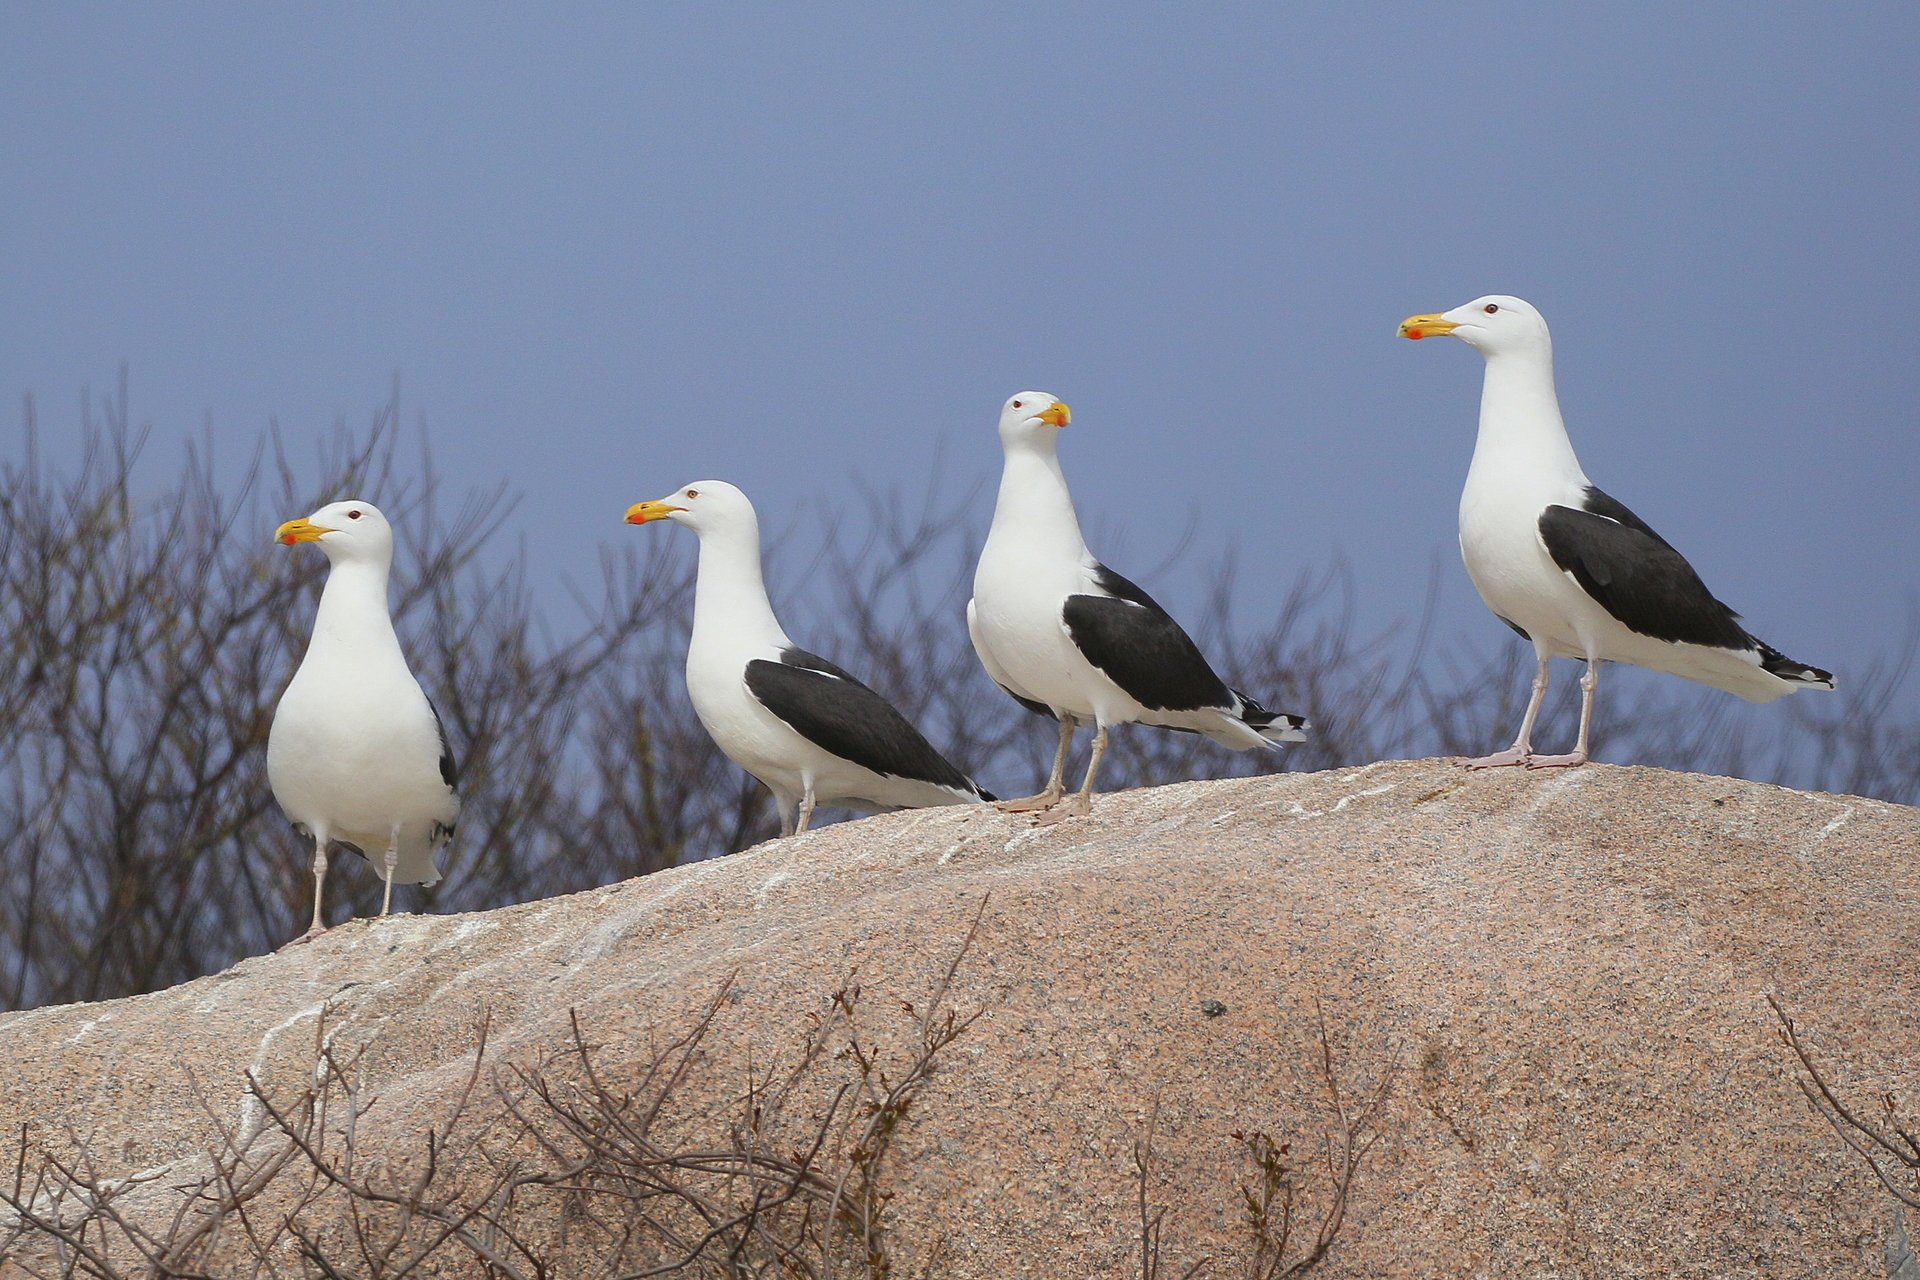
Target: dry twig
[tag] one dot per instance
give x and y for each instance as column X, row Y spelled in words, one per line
column 1890, row 1148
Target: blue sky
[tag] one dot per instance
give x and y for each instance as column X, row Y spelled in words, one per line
column 608, row 249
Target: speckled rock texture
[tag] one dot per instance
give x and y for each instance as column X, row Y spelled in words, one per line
column 1570, row 968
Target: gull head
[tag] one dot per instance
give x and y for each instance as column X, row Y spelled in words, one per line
column 703, row 506
column 350, row 530
column 1032, row 417
column 1494, row 325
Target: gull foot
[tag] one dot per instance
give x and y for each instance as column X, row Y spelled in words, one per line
column 1074, row 806
column 1499, row 759
column 1032, row 804
column 308, row 936
column 1567, row 761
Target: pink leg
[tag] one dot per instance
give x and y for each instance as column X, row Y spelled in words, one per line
column 319, row 881
column 1521, row 752
column 392, row 864
column 1080, row 803
column 1578, row 756
column 1056, row 781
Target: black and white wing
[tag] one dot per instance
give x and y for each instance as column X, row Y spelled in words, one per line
column 1637, row 576
column 831, row 709
column 449, row 774
column 1137, row 645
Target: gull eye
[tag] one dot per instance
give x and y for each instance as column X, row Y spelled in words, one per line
column 693, row 493
column 1016, row 404
column 1491, row 307
column 353, row 515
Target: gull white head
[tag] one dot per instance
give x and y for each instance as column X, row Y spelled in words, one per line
column 1033, row 417
column 1495, row 325
column 346, row 531
column 705, row 506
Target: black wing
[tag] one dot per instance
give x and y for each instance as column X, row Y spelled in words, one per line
column 1636, row 576
column 1139, row 647
column 449, row 772
column 1038, row 708
column 449, row 768
column 828, row 707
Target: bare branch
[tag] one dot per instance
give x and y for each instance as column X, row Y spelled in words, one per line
column 1891, row 1153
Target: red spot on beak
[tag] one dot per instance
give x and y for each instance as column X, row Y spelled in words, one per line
column 288, row 541
column 1416, row 334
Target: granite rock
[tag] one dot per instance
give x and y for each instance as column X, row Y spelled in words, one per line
column 1570, row 969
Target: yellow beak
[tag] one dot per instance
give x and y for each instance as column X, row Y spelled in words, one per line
column 1427, row 326
column 1057, row 414
column 300, row 531
column 641, row 512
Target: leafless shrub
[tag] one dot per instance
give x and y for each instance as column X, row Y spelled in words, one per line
column 1287, row 1193
column 146, row 630
column 567, row 1166
column 144, row 638
column 1153, row 1217
column 1890, row 1147
column 1273, row 1200
column 589, row 1162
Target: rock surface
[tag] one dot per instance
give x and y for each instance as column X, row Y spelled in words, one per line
column 1571, row 969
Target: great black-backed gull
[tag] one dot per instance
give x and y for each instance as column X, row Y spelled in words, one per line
column 803, row 726
column 1568, row 567
column 1070, row 638
column 357, row 756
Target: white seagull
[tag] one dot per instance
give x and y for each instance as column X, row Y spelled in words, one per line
column 357, row 756
column 1565, row 565
column 807, row 729
column 1070, row 638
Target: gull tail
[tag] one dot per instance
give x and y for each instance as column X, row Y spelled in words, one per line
column 1776, row 663
column 966, row 791
column 1273, row 726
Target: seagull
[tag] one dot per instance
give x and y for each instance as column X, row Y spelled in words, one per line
column 357, row 755
column 1068, row 637
column 807, row 729
column 1567, row 566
